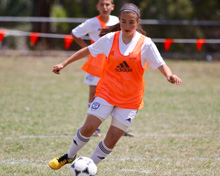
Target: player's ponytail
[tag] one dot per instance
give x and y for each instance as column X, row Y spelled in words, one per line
column 109, row 29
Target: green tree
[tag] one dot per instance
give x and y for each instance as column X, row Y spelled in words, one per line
column 208, row 10
column 12, row 8
column 42, row 8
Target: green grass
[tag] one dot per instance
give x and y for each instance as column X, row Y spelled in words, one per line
column 177, row 132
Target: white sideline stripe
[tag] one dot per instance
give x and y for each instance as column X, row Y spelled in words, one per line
column 167, row 159
column 176, row 135
column 27, row 162
column 137, row 135
column 23, row 161
column 40, row 136
column 150, row 172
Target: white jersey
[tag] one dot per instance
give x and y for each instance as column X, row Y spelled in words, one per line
column 149, row 51
column 92, row 27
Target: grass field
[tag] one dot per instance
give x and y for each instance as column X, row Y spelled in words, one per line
column 177, row 132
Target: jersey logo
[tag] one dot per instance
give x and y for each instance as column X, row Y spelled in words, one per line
column 95, row 105
column 123, row 67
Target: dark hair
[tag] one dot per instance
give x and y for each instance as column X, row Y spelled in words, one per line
column 112, row 1
column 130, row 7
column 126, row 7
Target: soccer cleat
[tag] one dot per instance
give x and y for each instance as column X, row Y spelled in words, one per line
column 97, row 133
column 129, row 134
column 58, row 162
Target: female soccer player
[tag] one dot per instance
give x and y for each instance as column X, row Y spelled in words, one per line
column 120, row 90
column 93, row 66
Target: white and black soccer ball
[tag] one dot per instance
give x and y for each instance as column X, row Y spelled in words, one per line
column 83, row 166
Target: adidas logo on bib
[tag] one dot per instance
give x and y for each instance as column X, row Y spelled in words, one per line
column 123, row 67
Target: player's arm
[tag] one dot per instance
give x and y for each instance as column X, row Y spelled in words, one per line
column 76, row 56
column 79, row 41
column 165, row 70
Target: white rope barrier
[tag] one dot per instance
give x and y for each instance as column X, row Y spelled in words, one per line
column 41, row 19
column 214, row 41
column 46, row 35
column 156, row 40
column 80, row 20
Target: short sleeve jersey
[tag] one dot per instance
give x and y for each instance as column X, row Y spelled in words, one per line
column 149, row 51
column 92, row 27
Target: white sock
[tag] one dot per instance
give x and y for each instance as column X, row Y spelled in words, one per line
column 101, row 151
column 78, row 142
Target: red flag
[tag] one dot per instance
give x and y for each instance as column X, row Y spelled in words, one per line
column 33, row 37
column 68, row 39
column 199, row 44
column 2, row 34
column 167, row 44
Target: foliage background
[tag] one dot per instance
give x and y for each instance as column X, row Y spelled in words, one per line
column 151, row 9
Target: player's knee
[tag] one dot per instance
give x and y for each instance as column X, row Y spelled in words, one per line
column 87, row 130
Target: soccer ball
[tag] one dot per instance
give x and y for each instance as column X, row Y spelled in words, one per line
column 83, row 166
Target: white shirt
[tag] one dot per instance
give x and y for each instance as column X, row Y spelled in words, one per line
column 149, row 51
column 92, row 27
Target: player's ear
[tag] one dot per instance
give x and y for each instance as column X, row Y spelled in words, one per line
column 113, row 6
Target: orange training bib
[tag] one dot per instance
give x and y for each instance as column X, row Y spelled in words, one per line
column 122, row 83
column 94, row 65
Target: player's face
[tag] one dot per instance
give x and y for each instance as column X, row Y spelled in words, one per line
column 129, row 23
column 105, row 7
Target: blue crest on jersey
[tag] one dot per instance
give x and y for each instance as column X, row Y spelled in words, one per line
column 95, row 105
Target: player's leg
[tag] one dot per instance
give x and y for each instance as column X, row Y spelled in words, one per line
column 84, row 133
column 92, row 91
column 92, row 82
column 106, row 146
column 99, row 111
column 112, row 136
column 80, row 139
column 121, row 120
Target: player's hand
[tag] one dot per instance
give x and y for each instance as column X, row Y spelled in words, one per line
column 57, row 68
column 174, row 79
